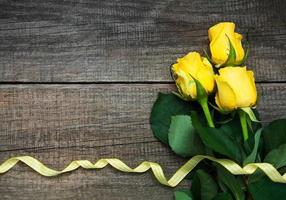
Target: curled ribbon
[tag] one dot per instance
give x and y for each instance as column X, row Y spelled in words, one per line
column 157, row 170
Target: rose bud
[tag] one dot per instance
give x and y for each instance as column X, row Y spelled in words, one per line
column 193, row 66
column 222, row 38
column 235, row 88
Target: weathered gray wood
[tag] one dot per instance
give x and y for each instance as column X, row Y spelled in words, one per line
column 126, row 40
column 111, row 41
column 60, row 123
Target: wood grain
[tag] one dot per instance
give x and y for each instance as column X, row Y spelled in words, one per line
column 129, row 41
column 99, row 44
column 60, row 123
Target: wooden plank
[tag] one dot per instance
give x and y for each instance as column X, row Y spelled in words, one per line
column 125, row 40
column 61, row 123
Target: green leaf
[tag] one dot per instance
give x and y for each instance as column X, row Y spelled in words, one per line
column 166, row 106
column 183, row 194
column 274, row 135
column 223, row 196
column 231, row 56
column 234, row 184
column 254, row 126
column 265, row 189
column 203, row 186
column 201, row 92
column 252, row 156
column 233, row 130
column 250, row 114
column 277, row 157
column 217, row 139
column 183, row 139
column 224, row 118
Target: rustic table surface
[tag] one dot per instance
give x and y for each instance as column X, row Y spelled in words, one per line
column 78, row 79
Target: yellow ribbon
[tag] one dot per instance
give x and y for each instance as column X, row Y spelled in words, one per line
column 157, row 170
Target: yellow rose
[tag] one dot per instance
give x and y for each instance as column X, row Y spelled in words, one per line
column 236, row 88
column 219, row 36
column 193, row 65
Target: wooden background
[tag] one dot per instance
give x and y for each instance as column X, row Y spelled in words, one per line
column 78, row 79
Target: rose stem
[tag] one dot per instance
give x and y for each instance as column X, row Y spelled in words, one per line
column 204, row 104
column 243, row 122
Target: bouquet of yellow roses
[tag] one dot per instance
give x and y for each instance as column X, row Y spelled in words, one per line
column 213, row 114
